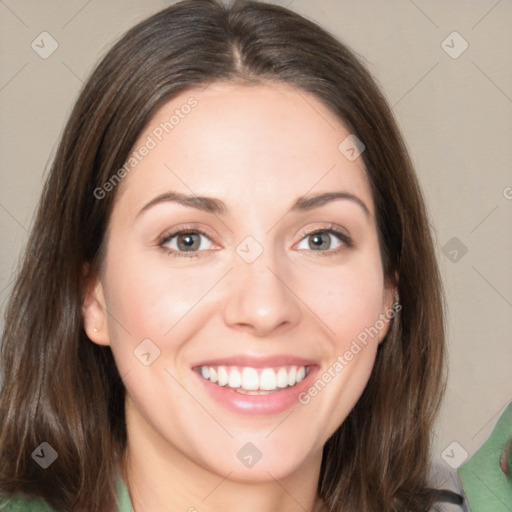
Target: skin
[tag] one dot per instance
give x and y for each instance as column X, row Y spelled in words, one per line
column 257, row 148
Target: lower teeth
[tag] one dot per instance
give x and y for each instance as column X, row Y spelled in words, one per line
column 259, row 392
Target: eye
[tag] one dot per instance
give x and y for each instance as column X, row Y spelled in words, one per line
column 325, row 239
column 186, row 240
column 191, row 242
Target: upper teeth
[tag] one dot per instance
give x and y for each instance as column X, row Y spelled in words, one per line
column 253, row 379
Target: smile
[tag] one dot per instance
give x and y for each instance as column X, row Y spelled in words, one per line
column 254, row 381
column 255, row 385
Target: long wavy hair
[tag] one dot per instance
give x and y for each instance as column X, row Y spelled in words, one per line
column 62, row 389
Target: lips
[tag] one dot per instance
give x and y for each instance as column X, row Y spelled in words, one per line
column 256, row 385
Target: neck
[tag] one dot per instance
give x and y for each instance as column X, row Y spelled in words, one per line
column 161, row 477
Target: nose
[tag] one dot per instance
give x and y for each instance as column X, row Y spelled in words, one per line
column 261, row 298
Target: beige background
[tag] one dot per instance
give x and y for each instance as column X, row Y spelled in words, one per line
column 455, row 114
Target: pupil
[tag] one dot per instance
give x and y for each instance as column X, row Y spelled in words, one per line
column 187, row 240
column 317, row 240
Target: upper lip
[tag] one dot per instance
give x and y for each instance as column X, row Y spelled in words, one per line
column 257, row 362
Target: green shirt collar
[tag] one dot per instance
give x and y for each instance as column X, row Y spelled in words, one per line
column 124, row 503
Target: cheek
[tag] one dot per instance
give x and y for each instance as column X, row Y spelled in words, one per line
column 154, row 301
column 347, row 299
column 348, row 302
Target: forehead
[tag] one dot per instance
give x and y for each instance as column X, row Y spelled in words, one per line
column 268, row 141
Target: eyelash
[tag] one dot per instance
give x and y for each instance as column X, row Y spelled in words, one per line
column 331, row 229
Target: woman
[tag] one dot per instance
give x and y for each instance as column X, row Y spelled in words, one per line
column 230, row 293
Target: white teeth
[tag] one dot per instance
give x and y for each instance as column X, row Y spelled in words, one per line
column 282, row 378
column 291, row 376
column 235, row 379
column 250, row 379
column 268, row 379
column 254, row 380
column 222, row 375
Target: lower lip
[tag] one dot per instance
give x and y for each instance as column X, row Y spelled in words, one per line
column 273, row 403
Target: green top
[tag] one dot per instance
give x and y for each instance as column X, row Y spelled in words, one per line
column 124, row 502
column 487, row 487
column 21, row 503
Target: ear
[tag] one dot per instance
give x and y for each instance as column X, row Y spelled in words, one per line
column 390, row 306
column 94, row 308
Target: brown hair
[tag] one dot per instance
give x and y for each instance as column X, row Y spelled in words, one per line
column 62, row 389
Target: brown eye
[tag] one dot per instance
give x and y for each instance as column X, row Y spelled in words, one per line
column 188, row 241
column 324, row 240
column 319, row 241
column 181, row 242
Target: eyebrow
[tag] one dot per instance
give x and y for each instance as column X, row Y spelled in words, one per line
column 216, row 206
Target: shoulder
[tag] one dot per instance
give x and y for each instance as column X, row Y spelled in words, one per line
column 23, row 503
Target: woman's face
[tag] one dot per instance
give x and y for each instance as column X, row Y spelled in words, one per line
column 258, row 290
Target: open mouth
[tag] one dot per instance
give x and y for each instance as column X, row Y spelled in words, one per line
column 254, row 381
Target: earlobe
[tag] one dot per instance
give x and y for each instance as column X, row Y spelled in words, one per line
column 392, row 297
column 390, row 308
column 93, row 311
